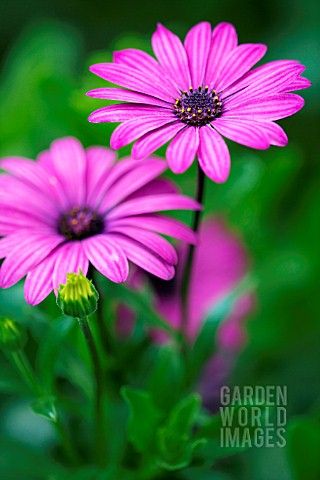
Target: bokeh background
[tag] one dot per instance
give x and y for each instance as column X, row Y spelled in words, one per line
column 272, row 199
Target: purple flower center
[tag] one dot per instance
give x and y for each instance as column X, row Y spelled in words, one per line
column 80, row 223
column 197, row 107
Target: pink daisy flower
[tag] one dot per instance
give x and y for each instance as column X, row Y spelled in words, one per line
column 196, row 93
column 75, row 206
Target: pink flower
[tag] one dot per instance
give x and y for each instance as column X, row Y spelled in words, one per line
column 75, row 206
column 194, row 94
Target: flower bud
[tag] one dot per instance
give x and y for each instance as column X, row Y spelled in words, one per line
column 78, row 297
column 12, row 337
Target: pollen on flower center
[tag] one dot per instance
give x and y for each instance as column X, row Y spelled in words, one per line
column 80, row 223
column 197, row 107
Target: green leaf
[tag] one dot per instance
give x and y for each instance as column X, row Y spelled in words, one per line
column 45, row 406
column 175, row 445
column 144, row 418
column 303, row 439
column 212, row 426
column 166, row 380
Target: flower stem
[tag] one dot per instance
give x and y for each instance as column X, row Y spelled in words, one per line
column 188, row 266
column 22, row 364
column 98, row 374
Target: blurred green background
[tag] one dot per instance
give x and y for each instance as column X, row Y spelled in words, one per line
column 272, row 199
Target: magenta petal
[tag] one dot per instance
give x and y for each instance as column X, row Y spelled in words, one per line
column 172, row 56
column 242, row 131
column 238, row 62
column 182, row 149
column 142, row 257
column 259, row 73
column 213, row 155
column 142, row 61
column 274, row 107
column 269, row 85
column 154, row 203
column 131, row 130
column 16, row 194
column 274, row 132
column 131, row 78
column 105, row 182
column 132, row 181
column 38, row 283
column 107, row 257
column 157, row 223
column 12, row 219
column 70, row 259
column 151, row 141
column 70, row 165
column 123, row 112
column 298, row 84
column 157, row 186
column 152, row 240
column 30, row 251
column 197, row 45
column 100, row 161
column 224, row 40
column 127, row 96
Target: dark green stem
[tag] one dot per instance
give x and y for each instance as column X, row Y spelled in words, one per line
column 188, row 266
column 98, row 375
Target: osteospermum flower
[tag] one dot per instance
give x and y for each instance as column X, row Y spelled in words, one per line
column 194, row 94
column 75, row 206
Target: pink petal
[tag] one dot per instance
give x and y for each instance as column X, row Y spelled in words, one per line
column 107, row 257
column 157, row 186
column 123, row 112
column 197, row 45
column 245, row 132
column 172, row 56
column 12, row 219
column 132, row 181
column 157, row 223
column 298, row 84
column 269, row 85
column 153, row 203
column 131, row 130
column 182, row 149
column 70, row 258
column 38, row 284
column 224, row 40
column 131, row 78
column 146, row 64
column 274, row 107
column 150, row 142
column 152, row 240
column 106, row 181
column 15, row 193
column 70, row 165
column 274, row 132
column 213, row 155
column 239, row 62
column 30, row 251
column 142, row 257
column 100, row 161
column 127, row 96
column 258, row 73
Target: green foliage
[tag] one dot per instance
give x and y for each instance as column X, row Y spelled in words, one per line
column 303, row 448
